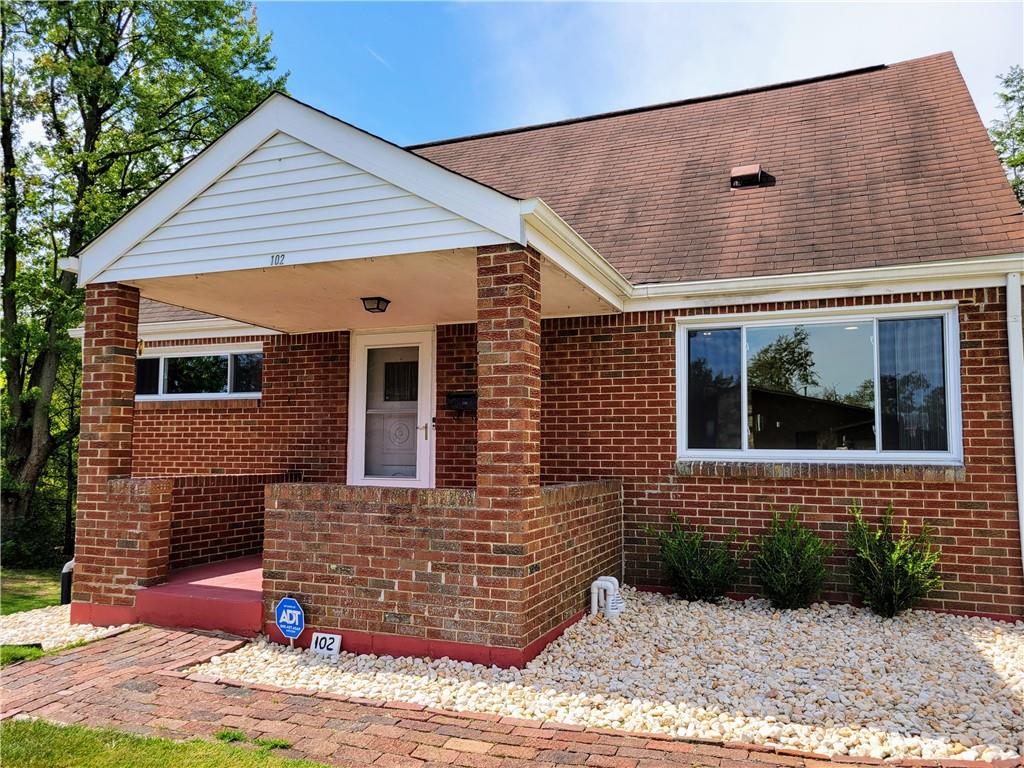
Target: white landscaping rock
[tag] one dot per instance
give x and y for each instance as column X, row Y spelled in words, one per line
column 832, row 679
column 50, row 627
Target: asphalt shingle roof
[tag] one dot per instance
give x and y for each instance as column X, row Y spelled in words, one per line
column 883, row 166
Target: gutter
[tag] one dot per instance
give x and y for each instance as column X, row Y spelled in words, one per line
column 1015, row 342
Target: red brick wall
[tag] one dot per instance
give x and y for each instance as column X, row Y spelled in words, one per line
column 299, row 424
column 576, row 537
column 217, row 517
column 455, row 442
column 609, row 411
column 430, row 566
column 125, row 548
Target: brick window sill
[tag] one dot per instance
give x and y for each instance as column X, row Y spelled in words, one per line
column 213, row 404
column 932, row 473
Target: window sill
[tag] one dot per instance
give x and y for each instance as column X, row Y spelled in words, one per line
column 784, row 470
column 211, row 403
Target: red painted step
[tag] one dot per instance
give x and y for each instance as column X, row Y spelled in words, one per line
column 225, row 596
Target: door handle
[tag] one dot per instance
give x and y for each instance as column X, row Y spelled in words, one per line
column 426, row 430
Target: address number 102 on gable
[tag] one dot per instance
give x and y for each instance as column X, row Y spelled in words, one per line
column 276, row 259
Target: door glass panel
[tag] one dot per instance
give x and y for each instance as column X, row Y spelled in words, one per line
column 392, row 383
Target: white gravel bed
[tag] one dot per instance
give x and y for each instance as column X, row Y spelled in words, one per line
column 830, row 679
column 51, row 627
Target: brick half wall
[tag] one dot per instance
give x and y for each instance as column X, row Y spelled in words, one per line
column 425, row 572
column 576, row 538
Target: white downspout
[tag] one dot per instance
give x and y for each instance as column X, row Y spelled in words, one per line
column 1015, row 341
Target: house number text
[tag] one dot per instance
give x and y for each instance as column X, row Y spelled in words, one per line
column 276, row 259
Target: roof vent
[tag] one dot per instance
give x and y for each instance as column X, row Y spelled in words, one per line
column 750, row 176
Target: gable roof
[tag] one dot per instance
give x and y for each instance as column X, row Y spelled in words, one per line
column 284, row 143
column 882, row 166
column 885, row 166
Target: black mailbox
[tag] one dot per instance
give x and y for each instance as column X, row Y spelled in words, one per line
column 460, row 402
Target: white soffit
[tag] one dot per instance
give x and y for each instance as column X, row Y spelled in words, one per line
column 291, row 185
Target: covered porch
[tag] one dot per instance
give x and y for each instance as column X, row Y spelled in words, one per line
column 386, row 526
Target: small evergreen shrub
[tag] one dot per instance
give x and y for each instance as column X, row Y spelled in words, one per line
column 697, row 567
column 891, row 572
column 790, row 562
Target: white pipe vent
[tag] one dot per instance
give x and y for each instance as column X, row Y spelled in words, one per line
column 605, row 597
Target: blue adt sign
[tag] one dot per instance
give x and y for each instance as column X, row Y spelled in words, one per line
column 289, row 617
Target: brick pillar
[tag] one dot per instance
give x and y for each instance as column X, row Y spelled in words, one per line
column 508, row 380
column 103, row 586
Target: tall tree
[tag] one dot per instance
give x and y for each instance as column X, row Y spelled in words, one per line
column 1008, row 133
column 785, row 365
column 99, row 103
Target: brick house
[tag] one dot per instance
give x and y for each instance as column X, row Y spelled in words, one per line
column 434, row 391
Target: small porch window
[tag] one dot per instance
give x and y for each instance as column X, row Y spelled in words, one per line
column 199, row 373
column 797, row 386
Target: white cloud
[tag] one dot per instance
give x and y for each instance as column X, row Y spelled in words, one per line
column 555, row 61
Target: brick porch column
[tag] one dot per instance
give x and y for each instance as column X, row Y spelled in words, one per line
column 508, row 380
column 103, row 588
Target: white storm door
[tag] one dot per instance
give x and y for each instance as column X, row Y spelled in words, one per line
column 391, row 428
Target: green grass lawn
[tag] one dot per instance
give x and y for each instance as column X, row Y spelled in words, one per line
column 38, row 744
column 24, row 589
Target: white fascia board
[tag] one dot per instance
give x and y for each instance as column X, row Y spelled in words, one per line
column 905, row 278
column 212, row 328
column 556, row 240
column 485, row 206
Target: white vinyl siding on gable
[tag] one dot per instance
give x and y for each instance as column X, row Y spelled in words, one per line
column 290, row 203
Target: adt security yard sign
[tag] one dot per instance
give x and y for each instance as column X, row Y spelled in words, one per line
column 289, row 617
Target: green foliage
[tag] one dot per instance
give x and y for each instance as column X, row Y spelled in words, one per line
column 11, row 654
column 1008, row 133
column 698, row 568
column 269, row 743
column 790, row 562
column 101, row 103
column 25, row 590
column 784, row 365
column 228, row 735
column 39, row 744
column 891, row 571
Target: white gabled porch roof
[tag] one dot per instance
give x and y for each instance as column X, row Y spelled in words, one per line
column 292, row 215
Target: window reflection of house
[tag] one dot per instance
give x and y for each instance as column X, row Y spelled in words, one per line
column 785, row 420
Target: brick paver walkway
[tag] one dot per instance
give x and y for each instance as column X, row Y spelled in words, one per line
column 129, row 682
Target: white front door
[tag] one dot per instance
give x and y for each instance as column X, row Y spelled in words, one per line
column 391, row 426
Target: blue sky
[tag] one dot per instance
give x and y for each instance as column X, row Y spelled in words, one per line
column 413, row 72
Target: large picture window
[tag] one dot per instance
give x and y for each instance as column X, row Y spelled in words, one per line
column 802, row 387
column 187, row 375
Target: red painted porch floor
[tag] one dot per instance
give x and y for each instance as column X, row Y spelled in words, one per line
column 225, row 596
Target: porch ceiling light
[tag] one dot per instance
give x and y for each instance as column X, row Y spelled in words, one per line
column 375, row 303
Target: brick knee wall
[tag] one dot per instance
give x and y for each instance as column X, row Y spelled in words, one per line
column 429, row 566
column 129, row 548
column 218, row 517
column 576, row 538
column 410, row 562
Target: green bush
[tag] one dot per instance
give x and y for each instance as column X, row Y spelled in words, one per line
column 790, row 562
column 891, row 572
column 698, row 568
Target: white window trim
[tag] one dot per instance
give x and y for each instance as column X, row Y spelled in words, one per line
column 947, row 310
column 361, row 342
column 201, row 350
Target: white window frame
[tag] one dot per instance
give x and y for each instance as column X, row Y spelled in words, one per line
column 947, row 310
column 361, row 343
column 201, row 350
